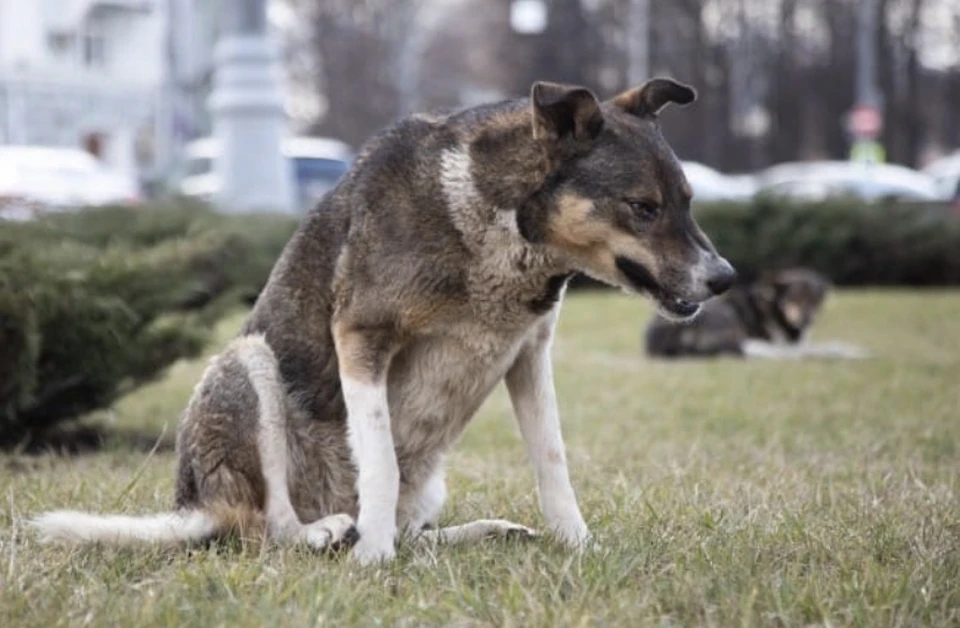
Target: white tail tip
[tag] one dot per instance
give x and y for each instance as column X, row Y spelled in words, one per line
column 79, row 527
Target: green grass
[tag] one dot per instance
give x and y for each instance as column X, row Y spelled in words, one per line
column 722, row 493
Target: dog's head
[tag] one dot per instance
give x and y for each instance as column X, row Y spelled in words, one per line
column 793, row 296
column 616, row 200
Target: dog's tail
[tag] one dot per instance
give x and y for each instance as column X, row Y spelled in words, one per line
column 184, row 526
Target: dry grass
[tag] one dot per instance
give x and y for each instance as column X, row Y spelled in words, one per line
column 723, row 493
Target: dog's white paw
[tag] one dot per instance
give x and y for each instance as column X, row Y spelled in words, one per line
column 331, row 532
column 844, row 350
column 854, row 352
column 575, row 537
column 370, row 550
column 504, row 528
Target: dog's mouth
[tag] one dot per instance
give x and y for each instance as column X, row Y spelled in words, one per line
column 668, row 303
column 679, row 309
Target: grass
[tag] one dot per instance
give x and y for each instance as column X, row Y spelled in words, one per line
column 722, row 493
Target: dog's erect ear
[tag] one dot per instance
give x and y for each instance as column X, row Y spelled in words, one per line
column 565, row 111
column 651, row 97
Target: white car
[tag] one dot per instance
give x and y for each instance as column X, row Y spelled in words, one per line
column 710, row 185
column 40, row 179
column 946, row 172
column 318, row 163
column 820, row 180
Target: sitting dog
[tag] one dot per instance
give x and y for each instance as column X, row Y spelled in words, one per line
column 767, row 318
column 431, row 272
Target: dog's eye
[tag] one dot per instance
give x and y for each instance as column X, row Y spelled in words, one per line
column 644, row 209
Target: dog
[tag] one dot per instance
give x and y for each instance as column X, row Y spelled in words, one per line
column 767, row 318
column 432, row 271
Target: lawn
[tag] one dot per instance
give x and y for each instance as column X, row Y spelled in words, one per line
column 722, row 494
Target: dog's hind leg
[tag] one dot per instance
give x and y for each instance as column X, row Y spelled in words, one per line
column 835, row 349
column 753, row 348
column 283, row 524
column 419, row 516
column 233, row 468
column 419, row 510
column 475, row 531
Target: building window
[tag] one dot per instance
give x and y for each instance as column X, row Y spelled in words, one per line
column 95, row 46
column 60, row 43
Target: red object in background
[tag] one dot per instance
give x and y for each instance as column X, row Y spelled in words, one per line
column 865, row 121
column 93, row 144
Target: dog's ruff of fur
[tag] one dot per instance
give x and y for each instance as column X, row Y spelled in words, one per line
column 433, row 271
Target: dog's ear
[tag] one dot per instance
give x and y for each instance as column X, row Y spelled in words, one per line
column 565, row 111
column 650, row 98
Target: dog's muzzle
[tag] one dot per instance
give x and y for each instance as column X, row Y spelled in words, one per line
column 669, row 303
column 722, row 277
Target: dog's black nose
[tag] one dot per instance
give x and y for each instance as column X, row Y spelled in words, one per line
column 722, row 280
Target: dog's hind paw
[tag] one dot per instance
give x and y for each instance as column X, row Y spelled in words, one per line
column 332, row 533
column 478, row 530
column 845, row 351
column 507, row 529
column 575, row 537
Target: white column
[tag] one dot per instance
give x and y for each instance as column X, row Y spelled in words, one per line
column 248, row 116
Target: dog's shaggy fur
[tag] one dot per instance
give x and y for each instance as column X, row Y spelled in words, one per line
column 432, row 271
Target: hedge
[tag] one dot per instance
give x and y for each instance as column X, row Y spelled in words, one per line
column 851, row 242
column 98, row 302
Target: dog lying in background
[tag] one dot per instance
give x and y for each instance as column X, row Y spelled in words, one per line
column 766, row 318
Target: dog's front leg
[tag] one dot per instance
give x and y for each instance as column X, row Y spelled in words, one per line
column 363, row 358
column 532, row 393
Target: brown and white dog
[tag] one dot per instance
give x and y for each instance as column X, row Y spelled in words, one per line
column 433, row 271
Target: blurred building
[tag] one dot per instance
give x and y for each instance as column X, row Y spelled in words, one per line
column 128, row 80
column 81, row 73
column 187, row 52
column 189, row 37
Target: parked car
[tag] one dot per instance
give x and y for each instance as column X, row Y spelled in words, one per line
column 712, row 185
column 318, row 163
column 946, row 173
column 820, row 180
column 39, row 179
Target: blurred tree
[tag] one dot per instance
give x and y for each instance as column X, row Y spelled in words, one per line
column 95, row 303
column 776, row 77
